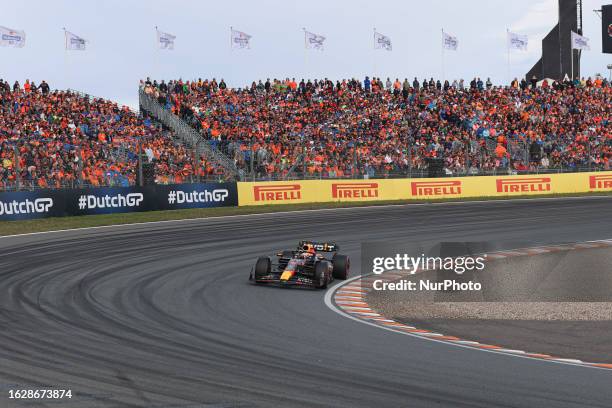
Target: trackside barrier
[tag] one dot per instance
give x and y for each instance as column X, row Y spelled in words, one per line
column 108, row 200
column 23, row 205
column 316, row 191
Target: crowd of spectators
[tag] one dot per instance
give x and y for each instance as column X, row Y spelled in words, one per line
column 378, row 128
column 350, row 128
column 65, row 139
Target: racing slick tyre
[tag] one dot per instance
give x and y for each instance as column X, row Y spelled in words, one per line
column 342, row 265
column 263, row 267
column 321, row 272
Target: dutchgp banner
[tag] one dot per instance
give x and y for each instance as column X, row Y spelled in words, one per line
column 179, row 196
column 312, row 191
column 24, row 205
column 108, row 200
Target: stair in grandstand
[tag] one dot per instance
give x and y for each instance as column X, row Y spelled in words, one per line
column 189, row 136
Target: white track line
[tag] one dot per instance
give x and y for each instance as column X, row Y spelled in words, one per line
column 466, row 344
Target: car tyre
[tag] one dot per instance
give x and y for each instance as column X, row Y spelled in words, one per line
column 263, row 267
column 321, row 278
column 342, row 265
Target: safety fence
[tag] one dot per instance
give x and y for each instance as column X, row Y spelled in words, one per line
column 107, row 200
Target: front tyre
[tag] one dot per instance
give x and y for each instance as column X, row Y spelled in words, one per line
column 321, row 275
column 263, row 267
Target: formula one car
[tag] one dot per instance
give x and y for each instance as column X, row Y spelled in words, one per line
column 305, row 266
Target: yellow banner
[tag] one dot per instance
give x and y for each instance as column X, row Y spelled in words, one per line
column 319, row 191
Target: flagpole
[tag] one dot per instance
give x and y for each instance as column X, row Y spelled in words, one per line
column 305, row 55
column 157, row 64
column 374, row 45
column 443, row 70
column 572, row 63
column 66, row 65
column 508, row 46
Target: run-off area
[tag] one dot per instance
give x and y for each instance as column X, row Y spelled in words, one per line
column 559, row 303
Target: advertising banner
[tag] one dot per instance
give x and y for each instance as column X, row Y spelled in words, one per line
column 313, row 191
column 109, row 200
column 24, row 205
column 180, row 196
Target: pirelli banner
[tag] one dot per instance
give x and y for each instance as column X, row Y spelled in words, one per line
column 109, row 200
column 313, row 191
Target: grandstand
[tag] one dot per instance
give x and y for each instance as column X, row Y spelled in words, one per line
column 281, row 129
column 64, row 139
column 317, row 129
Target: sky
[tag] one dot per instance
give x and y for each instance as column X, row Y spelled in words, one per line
column 121, row 47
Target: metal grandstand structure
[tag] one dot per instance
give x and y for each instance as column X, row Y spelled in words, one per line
column 190, row 136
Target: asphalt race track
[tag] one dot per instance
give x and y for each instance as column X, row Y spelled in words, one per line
column 162, row 315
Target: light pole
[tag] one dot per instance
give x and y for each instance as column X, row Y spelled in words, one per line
column 610, row 69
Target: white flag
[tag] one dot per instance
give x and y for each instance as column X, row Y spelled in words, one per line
column 12, row 38
column 240, row 39
column 165, row 41
column 382, row 42
column 74, row 42
column 449, row 42
column 314, row 41
column 517, row 41
column 579, row 42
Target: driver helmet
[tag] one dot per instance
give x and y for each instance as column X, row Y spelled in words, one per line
column 310, row 249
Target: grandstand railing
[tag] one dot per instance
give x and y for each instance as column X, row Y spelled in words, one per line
column 420, row 173
column 189, row 135
column 27, row 185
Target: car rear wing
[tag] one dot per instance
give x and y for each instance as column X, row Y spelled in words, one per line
column 319, row 246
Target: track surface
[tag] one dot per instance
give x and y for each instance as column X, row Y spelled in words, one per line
column 162, row 315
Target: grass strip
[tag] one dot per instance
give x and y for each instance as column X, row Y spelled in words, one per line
column 63, row 223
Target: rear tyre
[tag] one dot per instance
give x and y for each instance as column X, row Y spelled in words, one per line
column 342, row 265
column 321, row 278
column 263, row 267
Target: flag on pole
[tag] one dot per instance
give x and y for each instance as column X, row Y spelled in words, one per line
column 313, row 41
column 239, row 39
column 449, row 42
column 12, row 38
column 74, row 42
column 165, row 41
column 382, row 42
column 517, row 41
column 579, row 42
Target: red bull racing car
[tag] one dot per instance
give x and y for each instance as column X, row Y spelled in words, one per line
column 306, row 266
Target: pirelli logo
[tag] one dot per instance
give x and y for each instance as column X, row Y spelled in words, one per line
column 600, row 182
column 355, row 190
column 436, row 188
column 523, row 185
column 279, row 192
